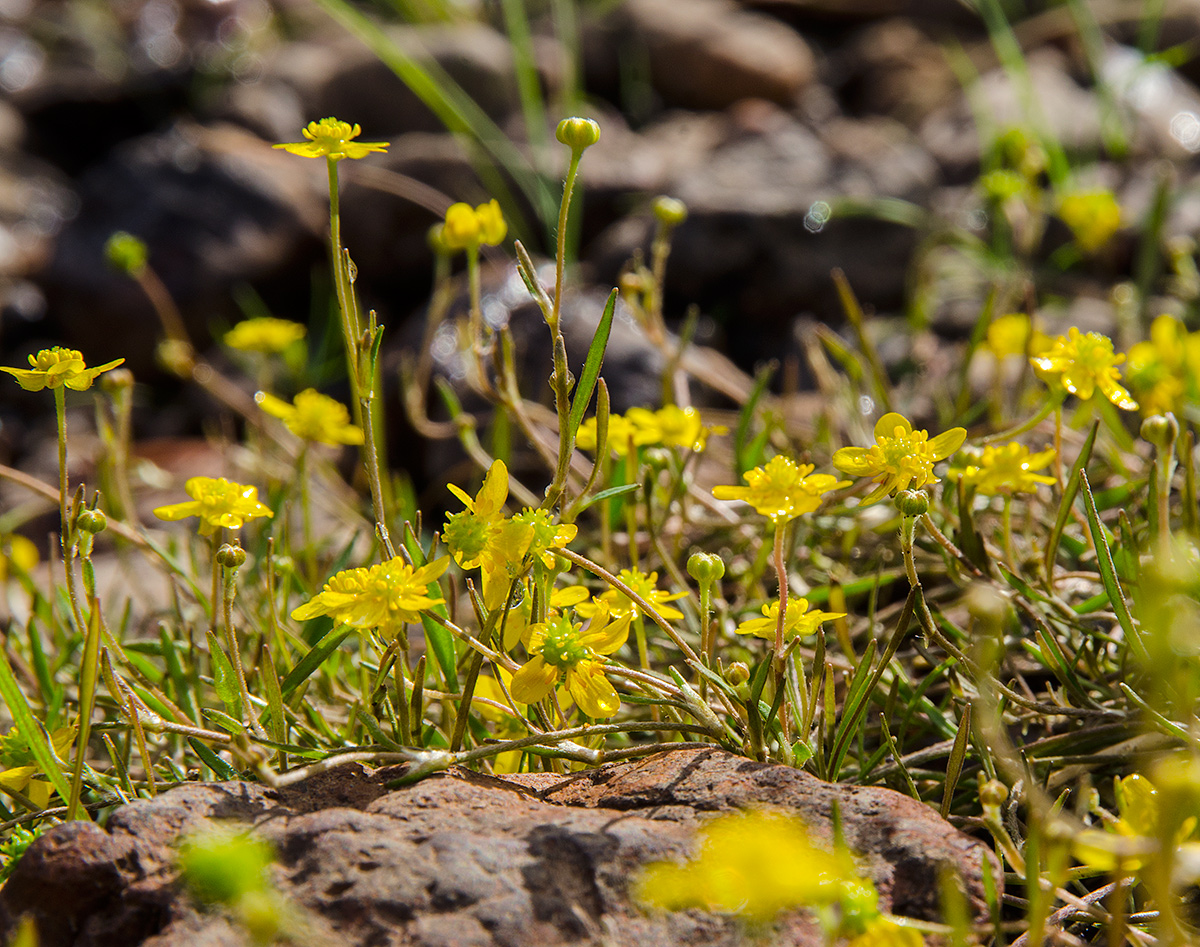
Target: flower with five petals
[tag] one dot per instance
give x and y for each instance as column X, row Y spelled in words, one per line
column 900, row 458
column 331, row 138
column 56, row 368
column 782, row 489
column 218, row 502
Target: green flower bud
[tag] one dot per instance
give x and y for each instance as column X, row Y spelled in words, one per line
column 670, row 211
column 912, row 502
column 436, row 238
column 577, row 134
column 126, row 253
column 705, row 567
column 738, row 673
column 1161, row 430
column 231, row 556
column 92, row 521
column 992, row 794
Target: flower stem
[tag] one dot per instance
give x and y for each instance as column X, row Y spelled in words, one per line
column 235, row 652
column 65, row 540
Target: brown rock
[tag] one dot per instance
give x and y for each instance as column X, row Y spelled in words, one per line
column 465, row 859
column 718, row 53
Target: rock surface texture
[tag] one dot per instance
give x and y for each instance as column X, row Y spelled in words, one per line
column 464, row 859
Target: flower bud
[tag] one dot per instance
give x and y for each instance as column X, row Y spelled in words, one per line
column 231, row 556
column 992, row 794
column 436, row 239
column 670, row 211
column 126, row 253
column 738, row 673
column 1161, row 430
column 705, row 567
column 577, row 133
column 117, row 379
column 912, row 502
column 92, row 521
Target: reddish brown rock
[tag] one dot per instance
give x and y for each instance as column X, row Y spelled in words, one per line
column 465, row 859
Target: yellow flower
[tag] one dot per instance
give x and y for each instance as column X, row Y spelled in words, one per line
column 782, row 489
column 17, row 554
column 560, row 648
column 755, row 864
column 1134, row 835
column 20, row 770
column 621, row 606
column 1164, row 369
column 218, row 502
column 1015, row 334
column 672, row 426
column 623, row 435
column 313, row 417
column 264, row 334
column 56, row 367
column 506, row 726
column 1084, row 363
column 467, row 534
column 469, row 227
column 387, row 595
column 881, row 932
column 800, row 621
column 547, row 534
column 1093, row 216
column 900, row 458
column 517, row 621
column 330, row 138
column 1006, row 470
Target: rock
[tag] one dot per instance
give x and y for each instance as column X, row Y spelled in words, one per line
column 467, row 859
column 718, row 53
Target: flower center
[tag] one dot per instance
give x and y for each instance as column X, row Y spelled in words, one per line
column 561, row 647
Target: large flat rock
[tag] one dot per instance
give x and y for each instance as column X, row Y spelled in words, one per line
column 465, row 859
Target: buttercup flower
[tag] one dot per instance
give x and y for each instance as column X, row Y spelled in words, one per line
column 560, row 648
column 468, row 226
column 755, row 864
column 1006, row 470
column 671, row 426
column 218, row 502
column 313, row 417
column 1134, row 835
column 622, row 607
column 56, row 368
column 387, row 595
column 20, row 770
column 900, row 458
column 622, row 435
column 546, row 534
column 1163, row 370
column 331, row 138
column 1083, row 363
column 264, row 334
column 1014, row 334
column 1093, row 216
column 800, row 621
column 782, row 489
column 468, row 533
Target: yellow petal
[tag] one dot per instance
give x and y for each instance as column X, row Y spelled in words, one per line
column 947, row 442
column 854, row 461
column 886, row 425
column 592, row 691
column 533, row 681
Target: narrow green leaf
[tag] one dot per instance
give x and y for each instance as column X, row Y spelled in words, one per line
column 212, row 761
column 1108, row 572
column 1068, row 498
column 591, row 367
column 224, row 680
column 958, row 755
column 89, row 673
column 439, row 639
column 274, row 711
column 741, row 434
column 608, row 494
column 312, row 660
column 224, row 721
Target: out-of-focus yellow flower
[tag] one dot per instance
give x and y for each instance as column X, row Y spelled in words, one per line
column 20, row 771
column 1006, row 470
column 468, row 533
column 264, row 334
column 670, row 426
column 782, row 489
column 1133, row 836
column 386, row 596
column 218, row 502
column 881, row 932
column 623, row 435
column 16, row 553
column 468, row 227
column 754, row 864
column 622, row 607
column 561, row 648
column 1015, row 334
column 900, row 458
column 313, row 417
column 1093, row 216
column 331, row 138
column 1164, row 371
column 58, row 367
column 1082, row 363
column 505, row 725
column 800, row 620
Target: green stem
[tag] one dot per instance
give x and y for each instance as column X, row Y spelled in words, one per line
column 560, row 257
column 235, row 652
column 67, row 546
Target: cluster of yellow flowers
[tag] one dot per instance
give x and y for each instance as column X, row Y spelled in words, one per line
column 669, row 426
